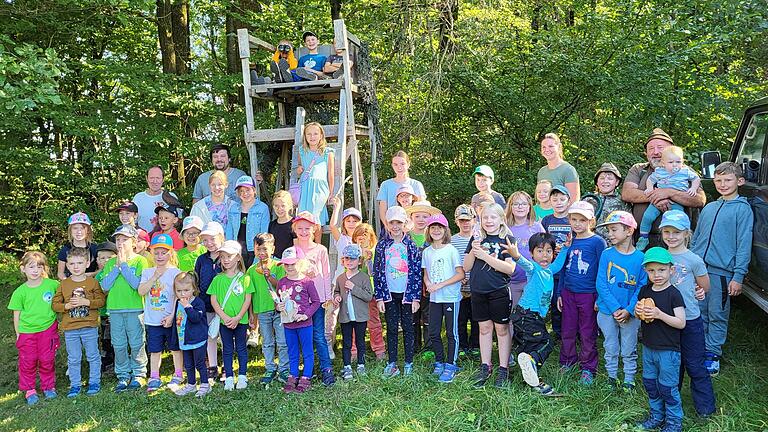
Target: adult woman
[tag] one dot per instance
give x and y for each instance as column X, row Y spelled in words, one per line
column 246, row 218
column 387, row 196
column 214, row 207
column 557, row 170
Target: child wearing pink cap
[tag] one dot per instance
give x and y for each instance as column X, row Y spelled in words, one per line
column 443, row 273
column 298, row 302
column 578, row 292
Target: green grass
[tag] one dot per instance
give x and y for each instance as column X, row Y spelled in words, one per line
column 402, row 404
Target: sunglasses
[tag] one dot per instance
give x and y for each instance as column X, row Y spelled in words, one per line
column 284, row 48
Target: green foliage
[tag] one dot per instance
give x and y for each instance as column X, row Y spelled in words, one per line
column 85, row 109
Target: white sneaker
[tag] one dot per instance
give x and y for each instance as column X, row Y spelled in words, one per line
column 529, row 369
column 187, row 389
column 229, row 383
column 242, row 382
column 331, row 354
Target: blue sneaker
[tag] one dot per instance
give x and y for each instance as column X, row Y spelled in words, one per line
column 152, row 385
column 32, row 398
column 712, row 363
column 529, row 369
column 586, row 378
column 122, row 386
column 438, row 370
column 650, row 423
column 50, row 394
column 391, row 370
column 407, row 369
column 93, row 389
column 449, row 373
column 73, row 392
column 135, row 383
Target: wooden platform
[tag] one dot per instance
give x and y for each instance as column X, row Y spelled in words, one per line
column 309, row 90
column 289, row 133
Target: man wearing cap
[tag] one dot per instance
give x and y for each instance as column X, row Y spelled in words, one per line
column 484, row 179
column 220, row 159
column 632, row 193
column 148, row 200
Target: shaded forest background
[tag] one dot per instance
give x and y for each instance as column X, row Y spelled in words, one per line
column 92, row 92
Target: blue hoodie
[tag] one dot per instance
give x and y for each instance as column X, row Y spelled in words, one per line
column 723, row 237
column 619, row 279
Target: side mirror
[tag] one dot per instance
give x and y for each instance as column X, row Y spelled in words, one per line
column 709, row 160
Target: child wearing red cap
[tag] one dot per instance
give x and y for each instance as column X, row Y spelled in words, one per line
column 443, row 273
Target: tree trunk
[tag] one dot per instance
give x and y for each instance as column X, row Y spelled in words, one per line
column 180, row 26
column 165, row 36
column 449, row 12
column 336, row 6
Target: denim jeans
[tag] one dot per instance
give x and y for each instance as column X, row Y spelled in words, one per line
column 319, row 341
column 127, row 330
column 620, row 339
column 76, row 340
column 272, row 333
column 234, row 340
column 661, row 371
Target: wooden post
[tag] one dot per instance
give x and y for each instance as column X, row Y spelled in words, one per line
column 245, row 56
column 282, row 171
column 297, row 142
column 253, row 156
column 373, row 210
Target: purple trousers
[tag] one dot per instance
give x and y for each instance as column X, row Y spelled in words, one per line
column 579, row 320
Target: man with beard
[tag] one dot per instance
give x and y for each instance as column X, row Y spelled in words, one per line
column 220, row 158
column 633, row 193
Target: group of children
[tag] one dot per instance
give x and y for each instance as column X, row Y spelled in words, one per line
column 504, row 271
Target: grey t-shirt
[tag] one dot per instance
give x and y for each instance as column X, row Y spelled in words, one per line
column 202, row 189
column 564, row 173
column 688, row 265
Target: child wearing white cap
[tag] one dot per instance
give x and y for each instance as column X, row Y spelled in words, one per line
column 397, row 279
column 190, row 233
column 79, row 234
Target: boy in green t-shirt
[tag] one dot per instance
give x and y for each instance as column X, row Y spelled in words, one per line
column 264, row 274
column 104, row 252
column 122, row 275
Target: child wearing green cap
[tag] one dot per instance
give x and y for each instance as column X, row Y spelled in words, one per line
column 661, row 342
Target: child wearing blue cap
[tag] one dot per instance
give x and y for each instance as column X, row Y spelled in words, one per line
column 352, row 294
column 79, row 234
column 692, row 280
column 663, row 318
column 157, row 289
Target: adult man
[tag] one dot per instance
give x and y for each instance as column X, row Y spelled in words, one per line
column 634, row 194
column 154, row 196
column 220, row 158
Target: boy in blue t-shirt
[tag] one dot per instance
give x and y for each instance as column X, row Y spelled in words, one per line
column 723, row 239
column 530, row 338
column 311, row 64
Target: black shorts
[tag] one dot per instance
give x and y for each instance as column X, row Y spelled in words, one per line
column 494, row 306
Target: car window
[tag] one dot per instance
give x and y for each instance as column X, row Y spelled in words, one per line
column 751, row 147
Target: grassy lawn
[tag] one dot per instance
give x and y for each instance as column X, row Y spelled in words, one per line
column 401, row 404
